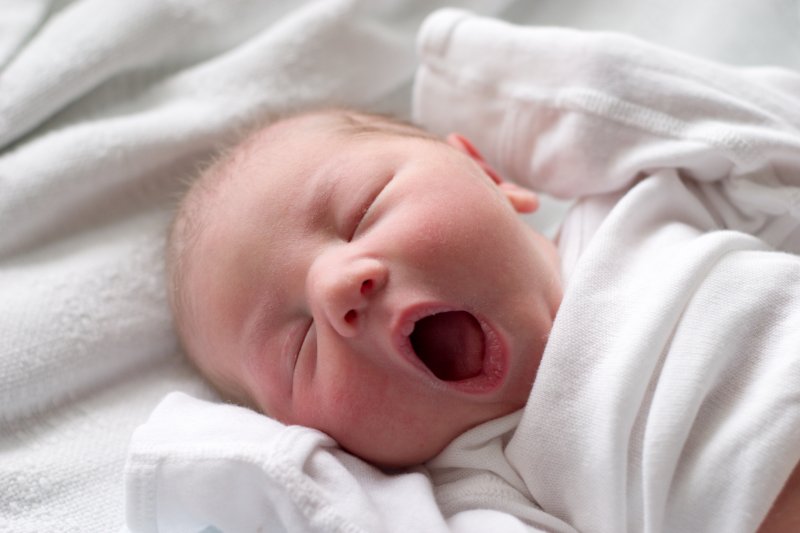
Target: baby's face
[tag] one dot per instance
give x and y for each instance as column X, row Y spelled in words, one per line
column 378, row 287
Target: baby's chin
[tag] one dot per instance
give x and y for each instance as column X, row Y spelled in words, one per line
column 400, row 453
column 404, row 450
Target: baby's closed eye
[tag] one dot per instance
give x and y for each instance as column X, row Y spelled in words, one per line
column 361, row 213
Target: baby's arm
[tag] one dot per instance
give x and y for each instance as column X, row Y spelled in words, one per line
column 573, row 113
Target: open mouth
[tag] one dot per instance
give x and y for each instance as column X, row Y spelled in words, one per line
column 451, row 344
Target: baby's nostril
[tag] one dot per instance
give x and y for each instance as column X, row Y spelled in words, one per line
column 366, row 287
column 351, row 316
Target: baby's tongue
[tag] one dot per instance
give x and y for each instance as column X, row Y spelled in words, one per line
column 450, row 344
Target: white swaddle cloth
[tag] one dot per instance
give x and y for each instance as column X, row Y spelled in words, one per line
column 668, row 398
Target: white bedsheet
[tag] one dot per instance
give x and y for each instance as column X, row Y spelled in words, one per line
column 105, row 106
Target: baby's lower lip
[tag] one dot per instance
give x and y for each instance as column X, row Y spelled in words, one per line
column 495, row 358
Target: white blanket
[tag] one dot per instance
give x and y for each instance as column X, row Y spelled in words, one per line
column 669, row 394
column 105, row 106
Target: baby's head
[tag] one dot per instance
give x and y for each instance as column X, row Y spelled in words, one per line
column 355, row 274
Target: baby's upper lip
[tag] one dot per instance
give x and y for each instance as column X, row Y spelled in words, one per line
column 495, row 357
column 403, row 326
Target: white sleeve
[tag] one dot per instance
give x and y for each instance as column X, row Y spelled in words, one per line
column 574, row 113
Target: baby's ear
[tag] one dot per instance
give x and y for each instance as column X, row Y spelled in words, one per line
column 523, row 200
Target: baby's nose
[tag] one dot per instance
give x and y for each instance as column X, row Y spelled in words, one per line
column 344, row 292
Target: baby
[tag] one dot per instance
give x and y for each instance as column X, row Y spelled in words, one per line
column 350, row 273
column 355, row 274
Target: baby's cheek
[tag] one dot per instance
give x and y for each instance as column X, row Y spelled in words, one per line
column 369, row 416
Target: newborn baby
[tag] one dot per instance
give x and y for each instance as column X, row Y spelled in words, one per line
column 351, row 273
column 354, row 274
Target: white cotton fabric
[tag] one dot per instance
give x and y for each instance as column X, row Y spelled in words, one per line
column 668, row 397
column 198, row 465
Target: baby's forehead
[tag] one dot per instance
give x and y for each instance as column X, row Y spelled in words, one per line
column 304, row 142
column 274, row 158
column 294, row 141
